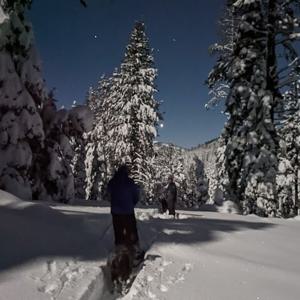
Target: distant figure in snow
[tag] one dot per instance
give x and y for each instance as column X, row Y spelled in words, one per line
column 124, row 195
column 171, row 195
column 159, row 192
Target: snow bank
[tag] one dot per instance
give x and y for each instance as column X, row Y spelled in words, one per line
column 3, row 16
column 228, row 207
column 52, row 252
column 9, row 200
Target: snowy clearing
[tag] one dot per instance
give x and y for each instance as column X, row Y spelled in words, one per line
column 52, row 251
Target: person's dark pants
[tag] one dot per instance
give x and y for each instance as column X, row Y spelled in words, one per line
column 125, row 230
column 164, row 205
column 171, row 206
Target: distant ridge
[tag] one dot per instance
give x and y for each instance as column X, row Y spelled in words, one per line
column 184, row 148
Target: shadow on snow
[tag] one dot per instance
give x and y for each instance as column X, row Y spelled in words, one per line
column 194, row 230
column 39, row 231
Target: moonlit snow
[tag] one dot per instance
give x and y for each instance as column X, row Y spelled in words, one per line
column 56, row 251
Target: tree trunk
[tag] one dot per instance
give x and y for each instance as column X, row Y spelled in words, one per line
column 297, row 186
column 271, row 65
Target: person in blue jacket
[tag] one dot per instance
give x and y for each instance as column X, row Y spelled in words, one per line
column 124, row 195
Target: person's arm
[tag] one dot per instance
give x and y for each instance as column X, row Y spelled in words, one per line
column 108, row 192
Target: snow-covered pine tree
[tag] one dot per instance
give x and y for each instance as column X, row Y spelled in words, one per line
column 275, row 25
column 251, row 137
column 53, row 162
column 136, row 110
column 289, row 156
column 249, row 134
column 164, row 157
column 219, row 88
column 218, row 179
column 78, row 144
column 94, row 169
column 54, row 159
column 206, row 153
column 283, row 20
column 80, row 123
column 78, row 166
column 35, row 147
column 22, row 94
column 99, row 143
column 197, row 183
column 217, row 80
column 169, row 161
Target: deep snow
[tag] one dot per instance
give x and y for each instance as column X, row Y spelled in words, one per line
column 51, row 251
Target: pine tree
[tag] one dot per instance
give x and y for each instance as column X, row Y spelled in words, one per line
column 135, row 109
column 78, row 144
column 78, row 166
column 35, row 137
column 289, row 156
column 169, row 161
column 250, row 136
column 217, row 79
column 99, row 144
column 219, row 88
column 53, row 162
column 264, row 30
column 22, row 93
column 219, row 179
column 197, row 183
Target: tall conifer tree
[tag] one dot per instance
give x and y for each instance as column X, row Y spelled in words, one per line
column 22, row 94
column 136, row 112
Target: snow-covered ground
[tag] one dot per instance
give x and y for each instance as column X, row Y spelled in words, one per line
column 57, row 252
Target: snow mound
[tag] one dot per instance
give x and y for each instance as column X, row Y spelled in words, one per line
column 3, row 15
column 164, row 216
column 228, row 207
column 7, row 199
column 297, row 218
column 144, row 215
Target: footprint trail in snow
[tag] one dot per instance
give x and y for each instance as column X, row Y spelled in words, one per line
column 156, row 278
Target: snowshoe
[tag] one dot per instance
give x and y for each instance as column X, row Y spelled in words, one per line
column 124, row 266
column 138, row 258
column 120, row 265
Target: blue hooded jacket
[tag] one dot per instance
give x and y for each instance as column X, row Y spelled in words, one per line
column 123, row 192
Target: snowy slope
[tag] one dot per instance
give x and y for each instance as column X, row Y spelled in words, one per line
column 205, row 152
column 57, row 253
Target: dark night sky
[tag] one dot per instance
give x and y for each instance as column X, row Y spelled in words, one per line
column 78, row 45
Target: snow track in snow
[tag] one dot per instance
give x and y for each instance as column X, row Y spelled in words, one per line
column 61, row 278
column 158, row 275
